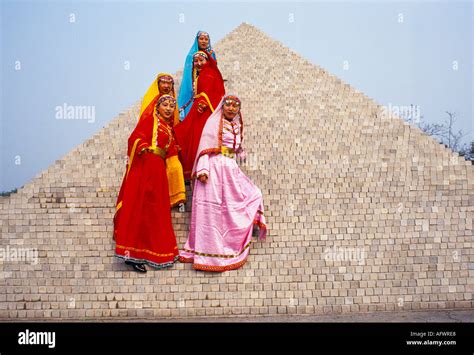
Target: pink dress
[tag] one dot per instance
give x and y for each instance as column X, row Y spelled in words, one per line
column 224, row 210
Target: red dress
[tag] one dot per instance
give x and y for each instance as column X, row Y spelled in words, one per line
column 177, row 189
column 143, row 230
column 209, row 91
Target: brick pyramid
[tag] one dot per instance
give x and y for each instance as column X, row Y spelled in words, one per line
column 365, row 212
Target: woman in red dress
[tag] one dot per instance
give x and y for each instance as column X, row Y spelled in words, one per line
column 143, row 231
column 208, row 92
column 163, row 85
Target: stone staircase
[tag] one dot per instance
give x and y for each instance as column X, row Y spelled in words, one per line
column 365, row 212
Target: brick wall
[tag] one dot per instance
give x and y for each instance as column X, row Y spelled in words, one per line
column 365, row 213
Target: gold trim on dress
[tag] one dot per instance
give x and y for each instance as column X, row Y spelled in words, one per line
column 157, row 151
column 215, row 268
column 228, row 152
column 219, row 255
column 145, row 250
column 132, row 154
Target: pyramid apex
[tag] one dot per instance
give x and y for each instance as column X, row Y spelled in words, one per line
column 245, row 26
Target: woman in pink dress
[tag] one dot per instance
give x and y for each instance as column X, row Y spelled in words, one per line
column 226, row 204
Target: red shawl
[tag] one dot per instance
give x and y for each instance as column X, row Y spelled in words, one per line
column 210, row 90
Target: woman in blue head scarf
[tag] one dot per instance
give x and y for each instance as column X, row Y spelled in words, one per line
column 202, row 42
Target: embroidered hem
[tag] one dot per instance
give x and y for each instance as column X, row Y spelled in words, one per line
column 219, row 255
column 212, row 268
column 146, row 251
column 185, row 260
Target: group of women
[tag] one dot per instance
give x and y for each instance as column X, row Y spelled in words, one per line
column 197, row 138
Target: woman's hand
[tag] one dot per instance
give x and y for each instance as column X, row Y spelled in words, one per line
column 201, row 107
column 203, row 179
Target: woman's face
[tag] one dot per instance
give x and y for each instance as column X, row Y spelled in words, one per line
column 199, row 61
column 165, row 87
column 231, row 108
column 166, row 109
column 203, row 42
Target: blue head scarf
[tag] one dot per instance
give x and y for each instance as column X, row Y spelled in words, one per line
column 186, row 87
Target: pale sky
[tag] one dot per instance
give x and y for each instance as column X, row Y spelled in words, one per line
column 104, row 55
